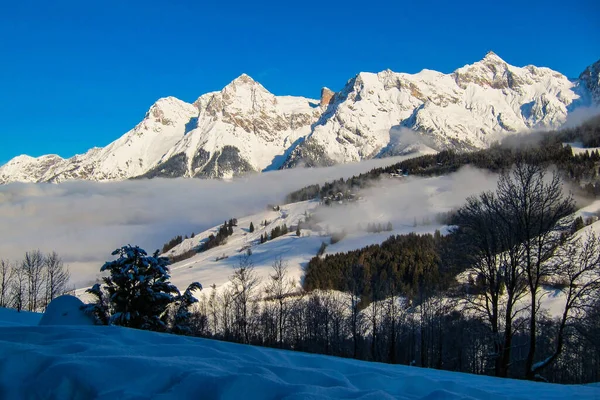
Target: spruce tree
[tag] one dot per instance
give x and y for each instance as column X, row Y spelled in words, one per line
column 251, row 229
column 138, row 290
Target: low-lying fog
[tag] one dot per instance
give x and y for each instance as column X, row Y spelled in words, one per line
column 85, row 221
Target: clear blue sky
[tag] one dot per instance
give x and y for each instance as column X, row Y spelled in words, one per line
column 76, row 74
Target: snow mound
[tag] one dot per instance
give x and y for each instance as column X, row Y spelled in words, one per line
column 65, row 310
column 100, row 362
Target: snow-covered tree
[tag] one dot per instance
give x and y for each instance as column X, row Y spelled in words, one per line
column 183, row 316
column 138, row 290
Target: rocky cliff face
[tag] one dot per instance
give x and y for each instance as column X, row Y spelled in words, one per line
column 245, row 128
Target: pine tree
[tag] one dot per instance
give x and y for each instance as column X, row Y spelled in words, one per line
column 251, row 229
column 138, row 291
column 298, row 232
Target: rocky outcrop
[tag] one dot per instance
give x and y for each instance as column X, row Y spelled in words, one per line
column 327, row 96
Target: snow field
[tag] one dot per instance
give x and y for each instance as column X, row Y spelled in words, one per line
column 99, row 362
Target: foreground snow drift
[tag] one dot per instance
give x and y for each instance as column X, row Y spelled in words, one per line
column 87, row 362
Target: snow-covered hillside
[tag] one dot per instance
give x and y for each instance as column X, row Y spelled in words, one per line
column 108, row 362
column 245, row 128
column 401, row 203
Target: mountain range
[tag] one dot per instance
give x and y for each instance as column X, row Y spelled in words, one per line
column 244, row 128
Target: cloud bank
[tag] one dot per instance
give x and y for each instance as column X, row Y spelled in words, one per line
column 85, row 221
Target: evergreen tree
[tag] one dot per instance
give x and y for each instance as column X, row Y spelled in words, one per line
column 138, row 290
column 251, row 229
column 298, row 232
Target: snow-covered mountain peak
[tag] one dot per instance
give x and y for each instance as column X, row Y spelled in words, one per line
column 167, row 110
column 243, row 83
column 243, row 127
column 492, row 57
column 491, row 71
column 243, row 79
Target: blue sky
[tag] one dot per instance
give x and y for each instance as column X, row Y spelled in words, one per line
column 77, row 74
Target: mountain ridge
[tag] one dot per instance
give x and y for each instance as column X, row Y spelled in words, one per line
column 245, row 128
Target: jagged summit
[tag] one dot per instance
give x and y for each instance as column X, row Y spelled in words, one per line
column 244, row 79
column 244, row 127
column 493, row 57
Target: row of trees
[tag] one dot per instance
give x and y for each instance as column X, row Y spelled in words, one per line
column 275, row 233
column 31, row 283
column 220, row 238
column 378, row 228
column 431, row 331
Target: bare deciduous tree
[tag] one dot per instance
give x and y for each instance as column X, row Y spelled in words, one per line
column 493, row 253
column 19, row 288
column 6, row 276
column 538, row 213
column 578, row 270
column 57, row 277
column 33, row 267
column 279, row 288
column 244, row 284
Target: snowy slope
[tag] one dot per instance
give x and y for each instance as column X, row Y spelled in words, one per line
column 131, row 155
column 101, row 362
column 294, row 250
column 400, row 202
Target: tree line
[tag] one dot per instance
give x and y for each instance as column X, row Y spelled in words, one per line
column 31, row 283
